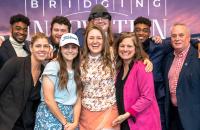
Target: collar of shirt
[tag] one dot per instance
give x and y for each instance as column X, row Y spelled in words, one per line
column 15, row 43
column 182, row 53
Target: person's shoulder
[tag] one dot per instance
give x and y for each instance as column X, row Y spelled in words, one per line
column 15, row 62
column 193, row 51
column 52, row 67
column 5, row 43
column 80, row 31
column 27, row 42
column 53, row 64
column 139, row 63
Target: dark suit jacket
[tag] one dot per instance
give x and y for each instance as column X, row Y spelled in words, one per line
column 15, row 87
column 156, row 53
column 7, row 51
column 187, row 92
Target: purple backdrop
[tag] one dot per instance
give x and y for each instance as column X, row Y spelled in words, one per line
column 163, row 13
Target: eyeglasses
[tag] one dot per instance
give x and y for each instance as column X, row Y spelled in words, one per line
column 100, row 19
column 103, row 15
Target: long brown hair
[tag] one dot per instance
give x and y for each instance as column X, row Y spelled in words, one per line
column 139, row 52
column 107, row 60
column 109, row 36
column 63, row 74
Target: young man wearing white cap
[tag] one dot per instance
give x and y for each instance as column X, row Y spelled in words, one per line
column 61, row 87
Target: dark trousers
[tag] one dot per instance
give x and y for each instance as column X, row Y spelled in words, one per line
column 161, row 105
column 175, row 122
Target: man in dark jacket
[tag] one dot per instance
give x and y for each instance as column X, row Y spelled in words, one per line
column 182, row 79
column 59, row 26
column 16, row 45
column 156, row 54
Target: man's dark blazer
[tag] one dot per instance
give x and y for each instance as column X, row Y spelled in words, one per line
column 187, row 92
column 156, row 53
column 15, row 87
column 7, row 51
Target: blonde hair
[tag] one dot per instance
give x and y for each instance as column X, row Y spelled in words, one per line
column 37, row 36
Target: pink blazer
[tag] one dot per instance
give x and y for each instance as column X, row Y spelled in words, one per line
column 140, row 100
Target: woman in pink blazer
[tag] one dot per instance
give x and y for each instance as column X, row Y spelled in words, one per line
column 136, row 101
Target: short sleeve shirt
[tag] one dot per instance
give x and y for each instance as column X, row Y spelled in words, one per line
column 66, row 96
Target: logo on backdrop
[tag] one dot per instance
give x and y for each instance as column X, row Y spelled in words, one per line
column 77, row 11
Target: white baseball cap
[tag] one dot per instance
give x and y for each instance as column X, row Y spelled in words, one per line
column 69, row 38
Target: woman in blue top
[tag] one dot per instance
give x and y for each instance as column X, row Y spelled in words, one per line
column 61, row 88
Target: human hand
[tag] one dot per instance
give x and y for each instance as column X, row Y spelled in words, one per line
column 120, row 119
column 149, row 65
column 157, row 39
column 70, row 126
column 50, row 54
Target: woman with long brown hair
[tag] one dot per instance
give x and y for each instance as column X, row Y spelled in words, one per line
column 61, row 87
column 136, row 101
column 97, row 75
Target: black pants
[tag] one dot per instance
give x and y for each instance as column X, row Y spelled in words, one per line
column 175, row 122
column 161, row 106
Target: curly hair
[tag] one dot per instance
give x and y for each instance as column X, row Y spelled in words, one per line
column 61, row 20
column 19, row 18
column 142, row 20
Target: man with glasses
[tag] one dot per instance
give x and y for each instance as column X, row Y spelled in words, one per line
column 100, row 16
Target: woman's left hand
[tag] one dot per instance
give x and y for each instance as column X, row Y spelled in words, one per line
column 120, row 119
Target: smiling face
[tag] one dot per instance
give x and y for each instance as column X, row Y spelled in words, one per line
column 69, row 51
column 126, row 50
column 180, row 37
column 95, row 42
column 39, row 49
column 19, row 31
column 142, row 31
column 102, row 22
column 57, row 31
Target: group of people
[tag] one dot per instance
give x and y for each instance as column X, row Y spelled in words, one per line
column 97, row 80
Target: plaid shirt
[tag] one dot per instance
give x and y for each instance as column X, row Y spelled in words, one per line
column 174, row 72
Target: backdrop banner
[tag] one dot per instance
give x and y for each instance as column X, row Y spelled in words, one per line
column 163, row 13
